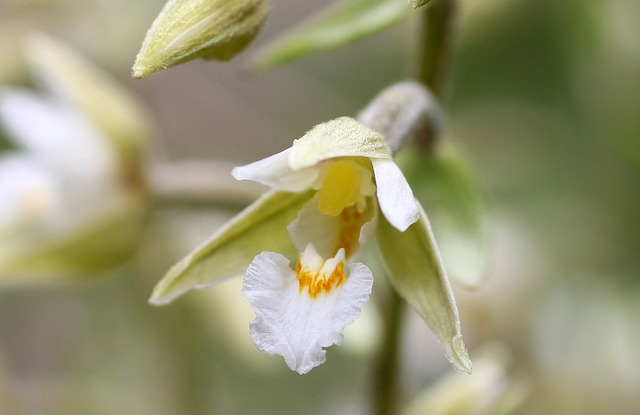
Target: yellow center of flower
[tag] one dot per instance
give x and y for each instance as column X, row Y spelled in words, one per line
column 340, row 189
column 317, row 282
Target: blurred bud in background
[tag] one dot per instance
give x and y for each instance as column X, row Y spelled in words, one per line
column 488, row 391
column 208, row 29
column 71, row 184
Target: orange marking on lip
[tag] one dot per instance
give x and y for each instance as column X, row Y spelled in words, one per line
column 349, row 230
column 317, row 283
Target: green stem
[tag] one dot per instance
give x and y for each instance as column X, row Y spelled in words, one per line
column 436, row 40
column 386, row 392
column 437, row 37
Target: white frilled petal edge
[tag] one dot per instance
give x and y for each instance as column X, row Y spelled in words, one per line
column 293, row 322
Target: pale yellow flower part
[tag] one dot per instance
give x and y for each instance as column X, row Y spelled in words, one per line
column 351, row 168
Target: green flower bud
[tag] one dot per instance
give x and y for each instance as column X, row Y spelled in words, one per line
column 208, row 29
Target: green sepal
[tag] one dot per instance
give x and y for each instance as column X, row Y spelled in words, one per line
column 341, row 137
column 104, row 242
column 339, row 25
column 446, row 186
column 260, row 227
column 208, row 29
column 417, row 273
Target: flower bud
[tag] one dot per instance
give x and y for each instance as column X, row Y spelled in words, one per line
column 208, row 29
column 491, row 390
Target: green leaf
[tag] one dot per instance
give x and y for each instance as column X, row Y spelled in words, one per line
column 457, row 206
column 417, row 273
column 260, row 227
column 337, row 26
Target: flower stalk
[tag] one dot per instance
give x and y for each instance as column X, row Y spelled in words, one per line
column 386, row 390
column 435, row 50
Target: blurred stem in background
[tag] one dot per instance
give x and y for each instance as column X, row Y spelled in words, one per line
column 436, row 45
column 436, row 39
column 386, row 389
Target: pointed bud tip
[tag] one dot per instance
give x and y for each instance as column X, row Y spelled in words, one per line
column 461, row 359
column 158, row 300
column 143, row 67
column 139, row 72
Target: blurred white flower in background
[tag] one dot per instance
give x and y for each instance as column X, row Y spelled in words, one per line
column 63, row 168
column 71, row 185
column 26, row 189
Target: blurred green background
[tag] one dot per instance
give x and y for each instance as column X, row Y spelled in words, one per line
column 545, row 102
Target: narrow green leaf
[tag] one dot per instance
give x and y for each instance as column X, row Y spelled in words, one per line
column 260, row 227
column 417, row 273
column 337, row 26
column 457, row 206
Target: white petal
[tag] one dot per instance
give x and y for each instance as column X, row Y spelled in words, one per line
column 56, row 134
column 274, row 171
column 330, row 233
column 394, row 194
column 368, row 230
column 291, row 323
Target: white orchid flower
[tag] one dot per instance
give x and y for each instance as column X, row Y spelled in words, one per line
column 333, row 190
column 350, row 182
column 70, row 185
column 64, row 150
